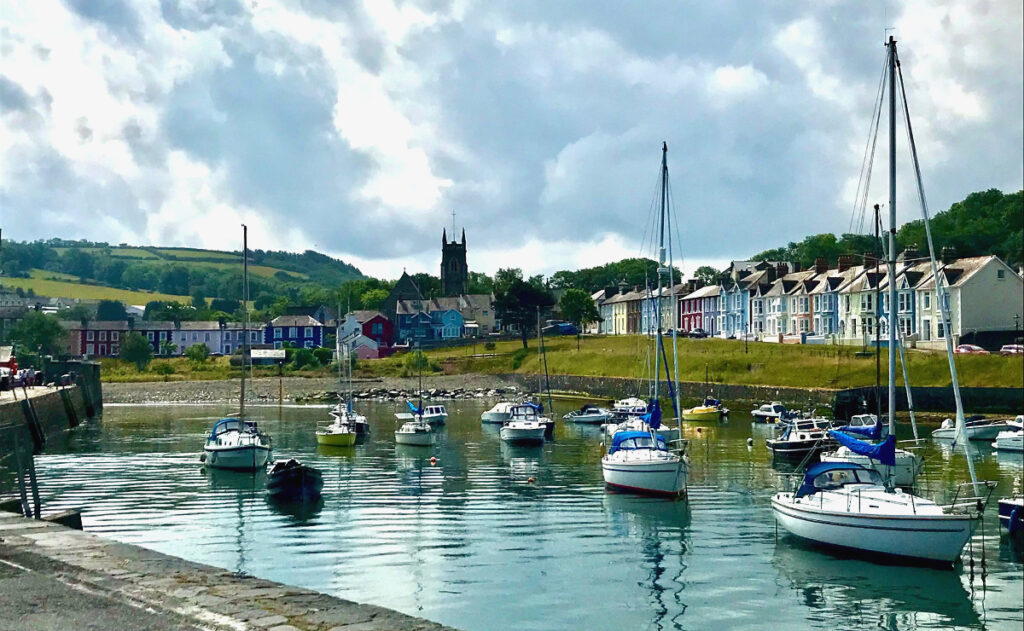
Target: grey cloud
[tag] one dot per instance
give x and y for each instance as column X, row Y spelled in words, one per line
column 12, row 95
column 198, row 16
column 118, row 16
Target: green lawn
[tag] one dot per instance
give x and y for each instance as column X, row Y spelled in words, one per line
column 726, row 361
column 44, row 286
column 190, row 253
column 215, row 368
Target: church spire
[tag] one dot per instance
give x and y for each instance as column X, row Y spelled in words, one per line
column 463, row 236
column 444, row 236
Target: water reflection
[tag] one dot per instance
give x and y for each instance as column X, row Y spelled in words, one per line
column 302, row 512
column 868, row 595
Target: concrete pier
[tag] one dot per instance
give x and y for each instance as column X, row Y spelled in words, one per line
column 52, row 577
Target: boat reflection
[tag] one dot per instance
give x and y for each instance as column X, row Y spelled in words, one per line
column 236, row 480
column 875, row 596
column 301, row 511
column 336, row 451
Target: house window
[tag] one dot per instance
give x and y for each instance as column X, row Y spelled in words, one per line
column 113, row 336
column 103, row 349
column 195, row 337
column 90, row 335
column 1001, row 274
column 853, row 326
column 308, row 332
column 846, row 303
column 90, row 349
column 927, row 296
column 308, row 344
column 940, row 330
column 804, row 325
column 254, row 336
column 904, row 301
column 866, row 302
column 113, row 349
column 227, row 349
column 227, row 336
column 163, row 335
column 377, row 328
column 277, row 344
column 149, row 335
column 277, row 334
column 103, row 336
column 293, row 332
column 485, row 312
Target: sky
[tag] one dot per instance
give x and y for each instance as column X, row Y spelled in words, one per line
column 357, row 128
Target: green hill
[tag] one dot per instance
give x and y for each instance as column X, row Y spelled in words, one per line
column 84, row 269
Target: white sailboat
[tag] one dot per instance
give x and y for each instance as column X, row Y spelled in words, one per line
column 847, row 505
column 235, row 443
column 342, row 430
column 416, row 430
column 640, row 461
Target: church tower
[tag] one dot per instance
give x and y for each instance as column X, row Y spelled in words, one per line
column 454, row 271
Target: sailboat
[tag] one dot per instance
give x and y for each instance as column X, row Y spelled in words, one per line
column 235, row 443
column 341, row 431
column 847, row 505
column 416, row 430
column 640, row 461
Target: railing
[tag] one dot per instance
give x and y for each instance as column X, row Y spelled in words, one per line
column 974, row 501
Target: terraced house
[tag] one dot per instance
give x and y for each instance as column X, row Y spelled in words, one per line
column 302, row 331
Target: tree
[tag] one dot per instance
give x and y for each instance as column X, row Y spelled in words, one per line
column 137, row 350
column 198, row 353
column 111, row 310
column 198, row 299
column 76, row 313
column 167, row 348
column 224, row 304
column 505, row 277
column 374, row 298
column 578, row 307
column 708, row 274
column 415, row 362
column 518, row 305
column 39, row 331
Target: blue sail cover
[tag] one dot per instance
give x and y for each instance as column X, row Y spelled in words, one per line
column 415, row 410
column 622, row 437
column 874, row 432
column 653, row 416
column 536, row 406
column 884, row 452
column 816, row 469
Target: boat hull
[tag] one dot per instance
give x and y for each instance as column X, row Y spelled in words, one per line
column 420, row 439
column 238, row 458
column 1010, row 441
column 697, row 414
column 798, row 448
column 984, row 432
column 336, row 439
column 435, row 419
column 664, row 478
column 1011, row 517
column 935, row 539
column 520, row 436
column 297, row 483
column 592, row 419
column 761, row 417
column 494, row 417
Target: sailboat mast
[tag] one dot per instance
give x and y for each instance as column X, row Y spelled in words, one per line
column 892, row 235
column 661, row 264
column 245, row 309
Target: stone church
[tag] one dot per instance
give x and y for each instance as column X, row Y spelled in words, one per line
column 454, row 270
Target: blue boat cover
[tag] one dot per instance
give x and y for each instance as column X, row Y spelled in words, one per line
column 229, row 421
column 415, row 410
column 653, row 416
column 621, row 437
column 874, row 432
column 816, row 469
column 710, row 401
column 536, row 406
column 884, row 452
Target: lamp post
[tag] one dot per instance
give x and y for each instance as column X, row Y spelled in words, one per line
column 1016, row 327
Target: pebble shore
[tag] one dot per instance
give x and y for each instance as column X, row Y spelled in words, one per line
column 303, row 390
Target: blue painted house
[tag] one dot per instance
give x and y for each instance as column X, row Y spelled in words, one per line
column 447, row 324
column 302, row 331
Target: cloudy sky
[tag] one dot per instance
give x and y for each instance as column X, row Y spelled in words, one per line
column 356, row 128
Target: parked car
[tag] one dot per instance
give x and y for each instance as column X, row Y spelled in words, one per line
column 1012, row 349
column 698, row 333
column 970, row 349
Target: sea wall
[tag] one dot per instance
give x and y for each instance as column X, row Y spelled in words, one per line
column 845, row 402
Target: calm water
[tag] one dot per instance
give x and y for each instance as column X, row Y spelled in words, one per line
column 471, row 542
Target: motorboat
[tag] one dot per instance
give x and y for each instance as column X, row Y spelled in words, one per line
column 769, row 413
column 710, row 410
column 631, row 406
column 641, row 462
column 237, row 444
column 976, row 428
column 801, row 437
column 1012, row 440
column 1011, row 517
column 499, row 413
column 589, row 413
column 294, row 481
column 415, row 432
column 524, row 426
column 845, row 505
column 867, row 422
column 340, row 432
column 435, row 414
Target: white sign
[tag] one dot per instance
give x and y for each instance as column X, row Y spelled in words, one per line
column 267, row 353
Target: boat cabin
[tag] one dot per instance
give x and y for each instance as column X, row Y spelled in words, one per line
column 825, row 476
column 434, row 410
column 806, row 428
column 631, row 406
column 226, row 425
column 863, row 420
column 524, row 412
column 636, row 440
column 773, row 409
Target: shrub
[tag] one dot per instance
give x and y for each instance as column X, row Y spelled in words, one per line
column 198, row 353
column 323, row 356
column 489, row 346
column 303, row 358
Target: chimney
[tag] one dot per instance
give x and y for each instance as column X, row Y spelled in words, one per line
column 622, row 286
column 698, row 283
column 845, row 262
column 781, row 269
column 131, row 323
column 796, row 266
column 909, row 254
column 948, row 254
column 820, row 265
column 85, row 323
column 769, row 275
column 870, row 258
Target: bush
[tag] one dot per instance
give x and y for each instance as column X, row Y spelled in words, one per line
column 303, row 358
column 198, row 353
column 489, row 346
column 518, row 357
column 163, row 369
column 323, row 356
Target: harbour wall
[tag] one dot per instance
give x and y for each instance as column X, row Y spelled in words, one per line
column 844, row 402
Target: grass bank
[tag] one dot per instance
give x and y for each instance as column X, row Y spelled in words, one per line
column 725, row 361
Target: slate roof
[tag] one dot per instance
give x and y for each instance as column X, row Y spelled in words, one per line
column 294, row 320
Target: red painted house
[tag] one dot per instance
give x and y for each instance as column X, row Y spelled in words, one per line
column 372, row 325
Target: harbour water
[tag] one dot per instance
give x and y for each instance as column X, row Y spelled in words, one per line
column 495, row 537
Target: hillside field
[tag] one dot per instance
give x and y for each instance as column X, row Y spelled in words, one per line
column 43, row 285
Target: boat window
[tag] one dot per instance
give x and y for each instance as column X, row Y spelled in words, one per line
column 835, row 479
column 869, row 476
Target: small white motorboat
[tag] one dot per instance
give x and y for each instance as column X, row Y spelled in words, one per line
column 435, row 414
column 866, row 422
column 589, row 413
column 769, row 412
column 524, row 426
column 499, row 413
column 976, row 428
column 1013, row 438
column 640, row 462
column 237, row 444
column 802, row 437
column 632, row 406
column 845, row 505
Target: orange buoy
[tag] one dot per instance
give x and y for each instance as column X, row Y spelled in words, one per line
column 433, row 460
column 530, row 480
column 698, row 430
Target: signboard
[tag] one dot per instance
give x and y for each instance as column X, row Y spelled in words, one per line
column 267, row 353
